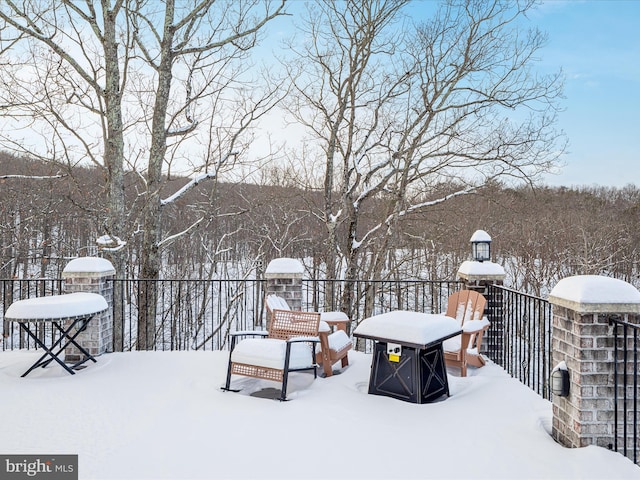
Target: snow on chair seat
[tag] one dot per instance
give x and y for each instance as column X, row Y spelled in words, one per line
column 334, row 347
column 333, row 316
column 271, row 353
column 338, row 340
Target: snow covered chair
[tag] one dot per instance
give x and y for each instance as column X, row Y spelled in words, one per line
column 467, row 307
column 334, row 345
column 288, row 346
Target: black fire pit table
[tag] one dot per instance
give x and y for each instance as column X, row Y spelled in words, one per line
column 408, row 359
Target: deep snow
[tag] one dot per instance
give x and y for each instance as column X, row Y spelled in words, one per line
column 162, row 415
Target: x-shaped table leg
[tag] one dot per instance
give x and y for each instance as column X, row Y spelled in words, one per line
column 64, row 335
column 431, row 361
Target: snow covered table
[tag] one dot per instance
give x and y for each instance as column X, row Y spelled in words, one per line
column 408, row 359
column 65, row 313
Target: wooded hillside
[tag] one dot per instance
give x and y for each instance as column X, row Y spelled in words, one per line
column 540, row 235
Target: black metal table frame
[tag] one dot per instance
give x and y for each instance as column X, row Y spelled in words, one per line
column 412, row 391
column 65, row 334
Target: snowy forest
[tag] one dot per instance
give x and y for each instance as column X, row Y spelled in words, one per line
column 194, row 141
column 540, row 235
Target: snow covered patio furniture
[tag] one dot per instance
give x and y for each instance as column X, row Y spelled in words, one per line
column 467, row 307
column 408, row 359
column 74, row 309
column 288, row 346
column 334, row 341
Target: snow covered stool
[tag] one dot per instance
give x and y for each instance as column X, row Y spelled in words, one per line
column 288, row 346
column 408, row 359
column 334, row 342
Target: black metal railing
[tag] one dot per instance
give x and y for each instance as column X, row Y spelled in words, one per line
column 198, row 314
column 519, row 339
column 625, row 408
column 360, row 299
column 186, row 314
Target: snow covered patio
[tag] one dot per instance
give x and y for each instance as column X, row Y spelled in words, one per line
column 162, row 415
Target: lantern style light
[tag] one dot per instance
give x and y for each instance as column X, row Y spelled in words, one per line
column 560, row 380
column 480, row 246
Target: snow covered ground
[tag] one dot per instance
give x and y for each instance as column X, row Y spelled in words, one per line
column 151, row 415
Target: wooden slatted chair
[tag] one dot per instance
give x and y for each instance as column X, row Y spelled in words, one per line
column 334, row 344
column 467, row 307
column 289, row 345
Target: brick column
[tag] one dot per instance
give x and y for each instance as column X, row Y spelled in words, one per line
column 92, row 274
column 284, row 278
column 478, row 276
column 583, row 339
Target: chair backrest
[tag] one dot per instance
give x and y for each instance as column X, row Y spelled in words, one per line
column 466, row 305
column 274, row 302
column 286, row 324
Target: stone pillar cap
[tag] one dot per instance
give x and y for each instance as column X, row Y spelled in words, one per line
column 473, row 270
column 595, row 294
column 278, row 266
column 89, row 265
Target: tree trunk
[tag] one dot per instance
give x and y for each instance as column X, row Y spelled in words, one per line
column 114, row 164
column 153, row 210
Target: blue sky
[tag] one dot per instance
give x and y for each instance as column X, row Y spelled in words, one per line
column 596, row 44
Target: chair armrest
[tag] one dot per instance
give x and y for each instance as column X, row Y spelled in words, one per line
column 303, row 339
column 245, row 333
column 475, row 326
column 256, row 333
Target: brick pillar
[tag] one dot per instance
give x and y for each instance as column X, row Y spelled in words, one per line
column 478, row 276
column 284, row 278
column 91, row 274
column 583, row 339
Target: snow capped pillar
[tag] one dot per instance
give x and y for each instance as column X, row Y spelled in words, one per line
column 92, row 274
column 582, row 338
column 284, row 278
column 477, row 274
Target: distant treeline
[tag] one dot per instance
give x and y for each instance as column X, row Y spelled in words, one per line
column 539, row 234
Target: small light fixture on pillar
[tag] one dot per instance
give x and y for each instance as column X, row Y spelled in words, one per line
column 560, row 380
column 481, row 246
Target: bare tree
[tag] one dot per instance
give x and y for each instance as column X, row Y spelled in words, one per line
column 133, row 79
column 398, row 109
column 343, row 80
